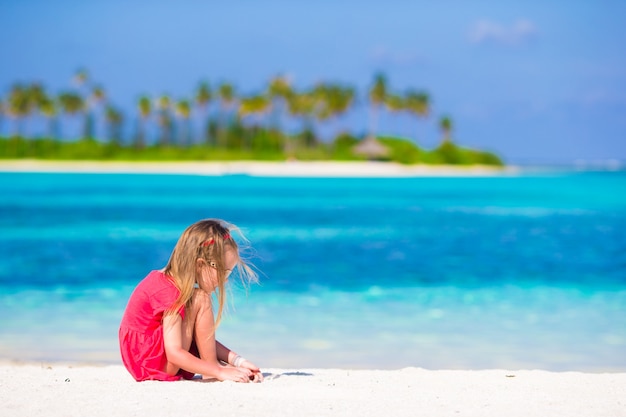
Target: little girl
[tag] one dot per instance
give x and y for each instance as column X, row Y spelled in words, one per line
column 168, row 328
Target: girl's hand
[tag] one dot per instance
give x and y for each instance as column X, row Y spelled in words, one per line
column 230, row 373
column 256, row 375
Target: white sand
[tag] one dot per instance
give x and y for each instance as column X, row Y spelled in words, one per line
column 62, row 390
column 256, row 168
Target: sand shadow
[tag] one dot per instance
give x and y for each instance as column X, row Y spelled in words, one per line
column 267, row 376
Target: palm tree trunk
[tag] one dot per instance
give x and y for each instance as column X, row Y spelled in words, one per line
column 140, row 139
column 88, row 126
column 53, row 127
column 373, row 120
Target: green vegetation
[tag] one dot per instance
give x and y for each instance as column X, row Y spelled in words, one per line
column 401, row 150
column 241, row 127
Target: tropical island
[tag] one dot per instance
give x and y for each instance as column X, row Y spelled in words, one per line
column 279, row 123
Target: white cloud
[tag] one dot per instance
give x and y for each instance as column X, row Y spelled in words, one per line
column 601, row 96
column 385, row 55
column 487, row 31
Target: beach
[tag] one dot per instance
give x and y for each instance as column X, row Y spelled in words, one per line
column 256, row 168
column 472, row 343
column 82, row 390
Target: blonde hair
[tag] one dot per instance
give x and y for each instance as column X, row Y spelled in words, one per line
column 207, row 239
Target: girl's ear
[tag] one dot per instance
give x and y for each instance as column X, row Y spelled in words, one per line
column 200, row 263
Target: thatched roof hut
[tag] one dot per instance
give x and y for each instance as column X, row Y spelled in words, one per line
column 371, row 148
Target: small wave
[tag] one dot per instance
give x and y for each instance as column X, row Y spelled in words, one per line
column 318, row 233
column 519, row 211
column 91, row 231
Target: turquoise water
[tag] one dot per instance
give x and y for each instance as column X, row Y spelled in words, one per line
column 512, row 272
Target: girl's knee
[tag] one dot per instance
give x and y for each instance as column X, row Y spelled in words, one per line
column 200, row 300
column 199, row 305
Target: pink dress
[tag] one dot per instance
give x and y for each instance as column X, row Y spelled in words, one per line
column 141, row 330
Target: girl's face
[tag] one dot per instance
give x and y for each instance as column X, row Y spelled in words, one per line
column 208, row 274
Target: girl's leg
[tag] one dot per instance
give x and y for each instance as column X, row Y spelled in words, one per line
column 204, row 326
column 208, row 348
column 192, row 312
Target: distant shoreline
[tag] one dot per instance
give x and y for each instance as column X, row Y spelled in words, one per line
column 257, row 168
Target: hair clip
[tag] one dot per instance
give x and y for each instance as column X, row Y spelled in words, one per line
column 211, row 241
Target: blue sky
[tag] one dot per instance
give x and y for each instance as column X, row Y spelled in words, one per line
column 534, row 81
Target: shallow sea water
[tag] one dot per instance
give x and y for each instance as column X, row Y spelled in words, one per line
column 524, row 271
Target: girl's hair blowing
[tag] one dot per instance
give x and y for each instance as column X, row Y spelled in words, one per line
column 208, row 240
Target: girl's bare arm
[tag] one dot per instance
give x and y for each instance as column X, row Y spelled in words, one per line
column 181, row 358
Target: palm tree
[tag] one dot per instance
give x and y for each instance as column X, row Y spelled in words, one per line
column 279, row 86
column 303, row 106
column 183, row 110
column 96, row 98
column 395, row 103
column 71, row 103
column 377, row 96
column 226, row 92
column 49, row 109
column 36, row 94
column 165, row 119
column 98, row 95
column 19, row 106
column 144, row 107
column 278, row 91
column 253, row 107
column 342, row 100
column 418, row 104
column 307, row 107
column 322, row 110
column 203, row 99
column 114, row 119
column 81, row 78
column 445, row 124
column 36, row 97
column 332, row 101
